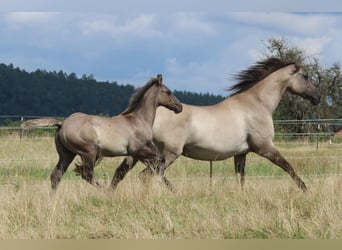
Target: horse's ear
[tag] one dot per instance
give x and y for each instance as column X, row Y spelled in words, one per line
column 160, row 79
column 296, row 68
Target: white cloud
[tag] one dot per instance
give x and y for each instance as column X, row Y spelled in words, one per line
column 210, row 75
column 137, row 6
column 197, row 51
column 255, row 54
column 97, row 26
column 172, row 66
column 313, row 46
column 141, row 25
column 303, row 24
column 191, row 23
column 19, row 19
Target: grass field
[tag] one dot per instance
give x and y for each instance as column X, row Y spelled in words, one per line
column 271, row 206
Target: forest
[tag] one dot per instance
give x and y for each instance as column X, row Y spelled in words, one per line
column 43, row 93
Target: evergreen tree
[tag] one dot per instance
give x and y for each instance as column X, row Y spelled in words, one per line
column 43, row 93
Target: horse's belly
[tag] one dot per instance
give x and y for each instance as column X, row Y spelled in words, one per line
column 110, row 152
column 111, row 147
column 205, row 155
column 214, row 153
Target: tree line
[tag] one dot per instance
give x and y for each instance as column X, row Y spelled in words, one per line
column 43, row 93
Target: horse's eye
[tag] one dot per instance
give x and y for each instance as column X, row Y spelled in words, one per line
column 306, row 77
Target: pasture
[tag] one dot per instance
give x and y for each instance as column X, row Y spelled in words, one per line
column 271, row 206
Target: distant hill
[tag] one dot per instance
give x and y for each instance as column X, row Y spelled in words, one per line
column 43, row 93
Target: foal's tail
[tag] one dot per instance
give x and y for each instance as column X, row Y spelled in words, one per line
column 41, row 122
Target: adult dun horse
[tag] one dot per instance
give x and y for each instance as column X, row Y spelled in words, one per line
column 240, row 124
column 92, row 137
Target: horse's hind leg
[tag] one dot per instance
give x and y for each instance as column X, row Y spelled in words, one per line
column 65, row 158
column 239, row 164
column 126, row 165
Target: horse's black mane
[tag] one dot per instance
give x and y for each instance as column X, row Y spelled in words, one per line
column 139, row 93
column 251, row 76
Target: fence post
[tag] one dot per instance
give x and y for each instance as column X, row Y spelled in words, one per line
column 211, row 170
column 21, row 130
column 318, row 129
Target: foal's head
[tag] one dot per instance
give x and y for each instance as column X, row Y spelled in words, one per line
column 154, row 88
column 165, row 97
column 300, row 84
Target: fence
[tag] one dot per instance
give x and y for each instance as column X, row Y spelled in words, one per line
column 314, row 133
column 314, row 129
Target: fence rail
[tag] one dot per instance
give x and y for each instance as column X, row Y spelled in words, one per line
column 310, row 128
column 337, row 121
column 316, row 132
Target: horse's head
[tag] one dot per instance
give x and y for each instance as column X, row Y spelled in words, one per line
column 300, row 84
column 166, row 98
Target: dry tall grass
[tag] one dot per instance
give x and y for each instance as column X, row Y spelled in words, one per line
column 269, row 207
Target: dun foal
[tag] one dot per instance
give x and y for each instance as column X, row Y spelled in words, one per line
column 92, row 137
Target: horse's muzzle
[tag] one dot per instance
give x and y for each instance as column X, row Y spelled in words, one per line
column 178, row 108
column 315, row 99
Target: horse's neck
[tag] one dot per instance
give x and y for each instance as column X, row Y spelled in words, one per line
column 269, row 92
column 146, row 110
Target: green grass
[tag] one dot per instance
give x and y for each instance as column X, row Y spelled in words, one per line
column 34, row 158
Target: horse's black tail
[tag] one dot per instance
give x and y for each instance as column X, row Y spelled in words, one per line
column 41, row 122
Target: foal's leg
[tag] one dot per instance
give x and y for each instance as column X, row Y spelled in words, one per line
column 148, row 172
column 156, row 169
column 155, row 165
column 126, row 165
column 239, row 164
column 274, row 156
column 148, row 151
column 87, row 170
column 65, row 158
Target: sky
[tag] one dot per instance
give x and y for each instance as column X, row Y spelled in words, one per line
column 196, row 45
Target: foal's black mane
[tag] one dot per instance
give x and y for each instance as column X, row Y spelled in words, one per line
column 251, row 76
column 134, row 100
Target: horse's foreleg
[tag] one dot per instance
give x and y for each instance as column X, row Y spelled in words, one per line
column 146, row 174
column 154, row 159
column 159, row 169
column 126, row 165
column 239, row 164
column 279, row 160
